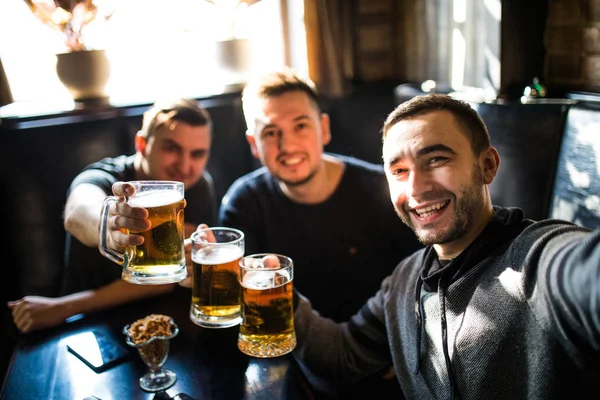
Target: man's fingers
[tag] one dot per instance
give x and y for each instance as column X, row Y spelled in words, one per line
column 13, row 304
column 25, row 326
column 16, row 310
column 201, row 226
column 20, row 317
column 121, row 239
column 205, row 234
column 126, row 210
column 122, row 189
column 118, row 222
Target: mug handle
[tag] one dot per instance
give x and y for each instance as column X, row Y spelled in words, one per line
column 107, row 252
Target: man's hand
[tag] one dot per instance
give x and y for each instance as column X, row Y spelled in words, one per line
column 123, row 219
column 35, row 312
column 189, row 281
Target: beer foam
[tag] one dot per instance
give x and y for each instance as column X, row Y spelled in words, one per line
column 217, row 255
column 155, row 199
column 261, row 280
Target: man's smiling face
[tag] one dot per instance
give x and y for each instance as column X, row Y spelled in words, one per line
column 436, row 181
column 288, row 137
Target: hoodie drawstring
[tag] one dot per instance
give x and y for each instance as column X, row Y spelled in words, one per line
column 419, row 317
column 442, row 300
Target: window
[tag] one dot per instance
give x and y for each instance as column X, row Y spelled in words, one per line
column 467, row 39
column 155, row 48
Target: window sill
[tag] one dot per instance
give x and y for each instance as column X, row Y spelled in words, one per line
column 35, row 114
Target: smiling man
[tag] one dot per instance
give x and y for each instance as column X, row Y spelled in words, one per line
column 495, row 307
column 173, row 144
column 444, row 208
column 330, row 213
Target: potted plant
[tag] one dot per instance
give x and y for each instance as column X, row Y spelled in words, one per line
column 82, row 68
column 233, row 47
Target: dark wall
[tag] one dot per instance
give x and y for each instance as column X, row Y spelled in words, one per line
column 356, row 120
column 521, row 45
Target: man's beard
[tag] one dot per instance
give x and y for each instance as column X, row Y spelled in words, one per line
column 299, row 182
column 464, row 213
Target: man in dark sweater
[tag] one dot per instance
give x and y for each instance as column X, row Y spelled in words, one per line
column 173, row 144
column 330, row 213
column 495, row 307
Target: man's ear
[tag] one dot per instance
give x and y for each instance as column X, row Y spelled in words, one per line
column 140, row 143
column 491, row 163
column 252, row 142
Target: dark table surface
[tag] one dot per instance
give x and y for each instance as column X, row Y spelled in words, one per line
column 207, row 362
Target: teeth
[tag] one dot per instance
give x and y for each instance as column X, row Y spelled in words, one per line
column 292, row 161
column 427, row 211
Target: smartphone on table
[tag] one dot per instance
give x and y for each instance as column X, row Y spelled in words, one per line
column 97, row 350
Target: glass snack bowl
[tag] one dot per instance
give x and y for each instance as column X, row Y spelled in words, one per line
column 154, row 352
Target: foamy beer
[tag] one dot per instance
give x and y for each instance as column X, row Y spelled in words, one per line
column 216, row 254
column 161, row 258
column 267, row 327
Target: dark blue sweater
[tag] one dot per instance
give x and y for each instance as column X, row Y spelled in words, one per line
column 342, row 248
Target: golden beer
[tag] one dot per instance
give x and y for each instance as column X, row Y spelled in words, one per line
column 162, row 251
column 163, row 242
column 216, row 289
column 161, row 258
column 267, row 327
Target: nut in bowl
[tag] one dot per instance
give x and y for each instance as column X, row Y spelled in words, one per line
column 151, row 335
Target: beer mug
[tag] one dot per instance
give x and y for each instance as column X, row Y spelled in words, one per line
column 267, row 327
column 161, row 258
column 216, row 253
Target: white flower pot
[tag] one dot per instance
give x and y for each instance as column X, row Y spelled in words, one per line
column 84, row 73
column 234, row 56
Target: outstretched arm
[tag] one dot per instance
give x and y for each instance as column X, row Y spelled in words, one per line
column 343, row 352
column 572, row 283
column 82, row 216
column 35, row 312
column 82, row 213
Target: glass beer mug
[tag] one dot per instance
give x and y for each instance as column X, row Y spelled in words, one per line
column 161, row 258
column 216, row 253
column 267, row 327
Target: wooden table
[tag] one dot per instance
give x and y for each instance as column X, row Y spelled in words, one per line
column 207, row 362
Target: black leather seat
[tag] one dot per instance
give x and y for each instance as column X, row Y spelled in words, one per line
column 528, row 138
column 576, row 195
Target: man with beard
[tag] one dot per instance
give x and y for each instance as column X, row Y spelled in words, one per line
column 495, row 307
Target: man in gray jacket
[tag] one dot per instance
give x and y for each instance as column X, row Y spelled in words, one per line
column 495, row 307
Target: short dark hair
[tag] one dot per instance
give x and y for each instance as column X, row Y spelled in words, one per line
column 465, row 115
column 184, row 110
column 276, row 83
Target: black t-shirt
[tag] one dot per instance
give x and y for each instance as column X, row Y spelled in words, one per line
column 85, row 267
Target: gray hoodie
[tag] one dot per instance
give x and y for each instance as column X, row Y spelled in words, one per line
column 515, row 316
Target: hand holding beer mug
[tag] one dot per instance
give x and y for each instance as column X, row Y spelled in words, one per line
column 216, row 253
column 160, row 259
column 267, row 328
